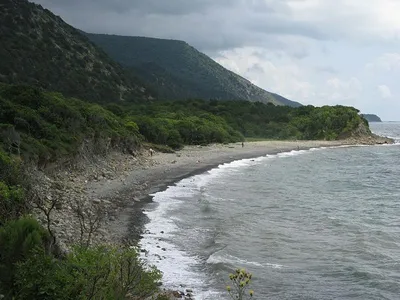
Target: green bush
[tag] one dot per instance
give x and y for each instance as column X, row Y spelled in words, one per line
column 94, row 273
column 44, row 127
column 9, row 169
column 240, row 282
column 12, row 202
column 18, row 239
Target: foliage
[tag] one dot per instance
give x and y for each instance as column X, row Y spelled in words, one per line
column 176, row 123
column 240, row 281
column 38, row 48
column 18, row 238
column 50, row 126
column 9, row 168
column 178, row 71
column 12, row 202
column 93, row 273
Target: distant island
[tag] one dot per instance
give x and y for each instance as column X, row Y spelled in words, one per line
column 372, row 118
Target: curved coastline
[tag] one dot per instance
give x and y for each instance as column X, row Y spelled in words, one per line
column 228, row 154
column 155, row 236
column 120, row 184
column 145, row 175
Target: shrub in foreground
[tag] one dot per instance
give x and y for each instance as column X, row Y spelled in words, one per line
column 29, row 270
column 240, row 281
column 18, row 240
column 93, row 273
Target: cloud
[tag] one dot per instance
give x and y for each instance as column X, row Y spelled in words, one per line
column 315, row 52
column 225, row 24
column 386, row 62
column 385, row 91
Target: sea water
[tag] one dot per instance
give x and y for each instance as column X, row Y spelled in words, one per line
column 311, row 224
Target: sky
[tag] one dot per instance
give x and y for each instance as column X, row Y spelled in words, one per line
column 318, row 52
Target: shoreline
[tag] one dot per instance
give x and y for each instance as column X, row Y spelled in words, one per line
column 165, row 169
column 118, row 186
column 168, row 182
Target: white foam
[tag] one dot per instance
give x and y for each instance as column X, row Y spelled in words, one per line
column 177, row 266
column 218, row 258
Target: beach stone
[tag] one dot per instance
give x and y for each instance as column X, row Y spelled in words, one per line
column 176, row 294
column 162, row 232
column 189, row 291
column 96, row 201
column 163, row 249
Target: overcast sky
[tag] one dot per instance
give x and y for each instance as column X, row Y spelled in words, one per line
column 312, row 51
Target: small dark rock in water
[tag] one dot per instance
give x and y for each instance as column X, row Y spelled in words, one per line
column 163, row 249
column 189, row 291
column 162, row 231
column 158, row 246
column 142, row 250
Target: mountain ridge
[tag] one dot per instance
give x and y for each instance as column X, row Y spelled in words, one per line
column 185, row 71
column 39, row 48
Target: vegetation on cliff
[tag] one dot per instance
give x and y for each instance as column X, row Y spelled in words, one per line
column 176, row 123
column 178, row 71
column 39, row 48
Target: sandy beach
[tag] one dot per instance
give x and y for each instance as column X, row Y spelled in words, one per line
column 118, row 186
column 154, row 173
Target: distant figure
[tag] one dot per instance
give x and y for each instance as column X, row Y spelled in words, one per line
column 242, row 144
column 151, row 152
column 298, row 148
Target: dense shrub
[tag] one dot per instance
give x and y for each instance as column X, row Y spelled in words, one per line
column 18, row 239
column 94, row 273
column 176, row 123
column 44, row 127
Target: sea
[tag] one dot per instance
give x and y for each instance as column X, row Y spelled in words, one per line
column 311, row 224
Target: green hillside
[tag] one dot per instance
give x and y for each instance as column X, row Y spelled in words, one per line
column 39, row 48
column 179, row 71
column 372, row 118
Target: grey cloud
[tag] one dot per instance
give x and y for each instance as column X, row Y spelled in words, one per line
column 209, row 25
column 327, row 69
column 174, row 7
column 255, row 68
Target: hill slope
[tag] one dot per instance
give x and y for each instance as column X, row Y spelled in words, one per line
column 39, row 48
column 179, row 71
column 372, row 118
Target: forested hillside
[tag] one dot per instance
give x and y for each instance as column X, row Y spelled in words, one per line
column 179, row 71
column 372, row 118
column 200, row 122
column 39, row 48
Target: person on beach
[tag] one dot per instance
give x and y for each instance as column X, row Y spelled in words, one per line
column 242, row 144
column 151, row 152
